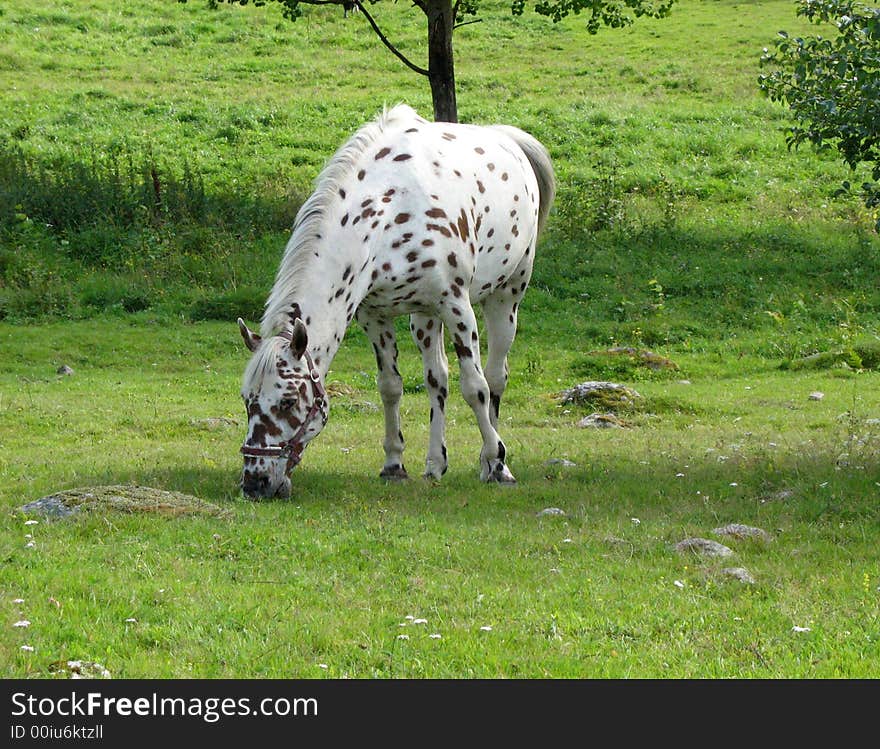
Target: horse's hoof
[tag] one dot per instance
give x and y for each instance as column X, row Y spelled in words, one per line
column 394, row 473
column 500, row 474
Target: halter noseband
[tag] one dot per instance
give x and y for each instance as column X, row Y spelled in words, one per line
column 293, row 448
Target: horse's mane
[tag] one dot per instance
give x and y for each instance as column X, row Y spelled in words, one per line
column 312, row 212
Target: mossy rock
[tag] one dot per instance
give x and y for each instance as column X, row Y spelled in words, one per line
column 625, row 362
column 600, row 396
column 861, row 356
column 122, row 498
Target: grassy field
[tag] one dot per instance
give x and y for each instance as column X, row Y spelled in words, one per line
column 683, row 225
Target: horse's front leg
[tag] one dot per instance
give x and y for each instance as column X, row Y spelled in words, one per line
column 427, row 332
column 390, row 383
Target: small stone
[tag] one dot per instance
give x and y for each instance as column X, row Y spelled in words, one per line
column 738, row 530
column 816, row 395
column 739, row 573
column 601, row 421
column 550, row 511
column 781, row 495
column 64, row 370
column 560, row 462
column 703, row 546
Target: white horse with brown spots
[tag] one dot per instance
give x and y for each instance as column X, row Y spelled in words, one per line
column 408, row 217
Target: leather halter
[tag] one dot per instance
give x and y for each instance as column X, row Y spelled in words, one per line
column 292, row 449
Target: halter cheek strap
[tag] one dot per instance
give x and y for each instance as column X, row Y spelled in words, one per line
column 293, row 448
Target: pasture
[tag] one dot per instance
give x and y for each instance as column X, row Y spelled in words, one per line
column 682, row 225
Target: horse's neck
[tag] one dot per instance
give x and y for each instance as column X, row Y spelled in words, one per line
column 324, row 293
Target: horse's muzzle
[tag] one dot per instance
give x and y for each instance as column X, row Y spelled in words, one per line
column 260, row 487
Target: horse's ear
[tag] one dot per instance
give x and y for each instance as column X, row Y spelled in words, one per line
column 299, row 338
column 251, row 339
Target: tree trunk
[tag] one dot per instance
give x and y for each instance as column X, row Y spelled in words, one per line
column 441, row 68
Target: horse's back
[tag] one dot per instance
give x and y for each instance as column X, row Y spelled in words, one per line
column 452, row 208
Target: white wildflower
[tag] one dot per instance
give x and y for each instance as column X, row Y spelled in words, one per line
column 435, row 636
column 678, row 583
column 486, row 628
column 420, row 621
column 22, row 623
column 800, row 629
column 31, row 522
column 402, row 637
column 28, row 648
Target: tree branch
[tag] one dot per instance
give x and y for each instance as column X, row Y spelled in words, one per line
column 396, row 52
column 467, row 23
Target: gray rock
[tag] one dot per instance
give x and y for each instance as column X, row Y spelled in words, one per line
column 739, row 573
column 49, row 507
column 64, row 370
column 560, row 462
column 703, row 546
column 738, row 530
column 550, row 511
column 601, row 421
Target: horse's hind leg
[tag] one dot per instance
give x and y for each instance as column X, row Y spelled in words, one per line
column 427, row 332
column 500, row 316
column 390, row 383
column 459, row 318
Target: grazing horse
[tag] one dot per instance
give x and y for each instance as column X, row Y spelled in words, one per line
column 408, row 217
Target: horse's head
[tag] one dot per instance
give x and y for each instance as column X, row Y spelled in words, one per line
column 286, row 406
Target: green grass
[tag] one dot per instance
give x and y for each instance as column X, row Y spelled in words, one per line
column 683, row 225
column 329, row 576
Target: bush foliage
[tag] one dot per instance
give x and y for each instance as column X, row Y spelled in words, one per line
column 832, row 85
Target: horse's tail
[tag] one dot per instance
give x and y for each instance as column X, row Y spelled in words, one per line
column 542, row 166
